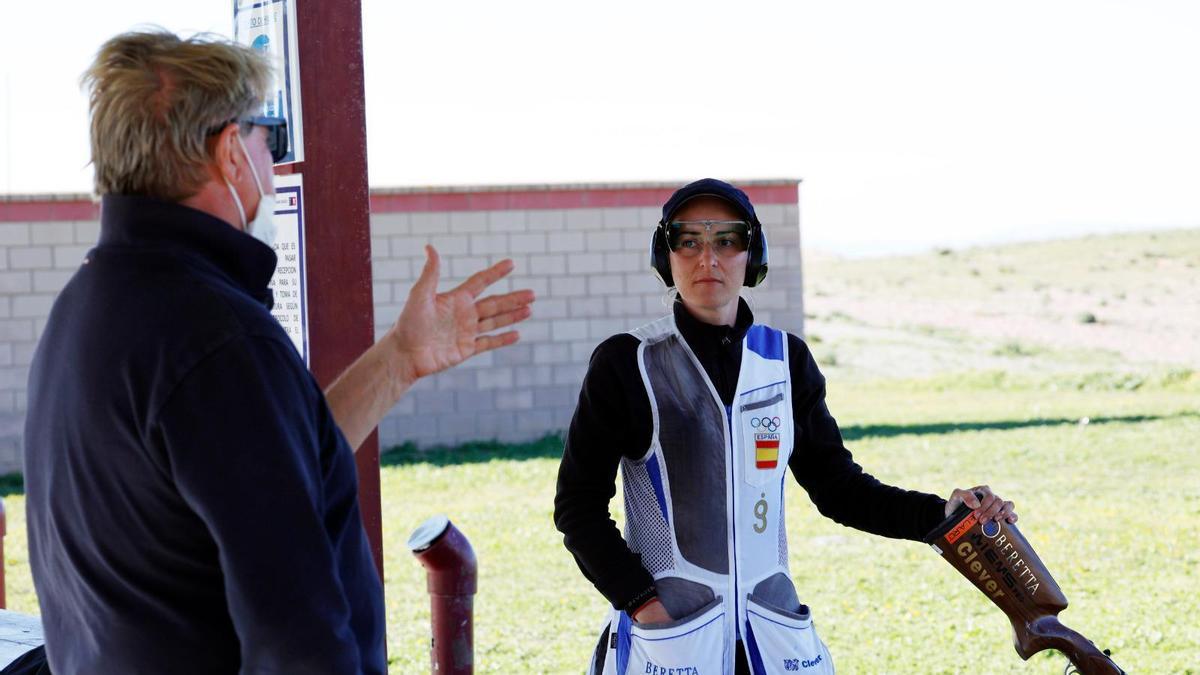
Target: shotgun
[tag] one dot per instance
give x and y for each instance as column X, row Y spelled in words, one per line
column 998, row 559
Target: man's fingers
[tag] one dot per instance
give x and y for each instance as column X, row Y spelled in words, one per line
column 484, row 278
column 489, row 342
column 501, row 304
column 427, row 282
column 505, row 319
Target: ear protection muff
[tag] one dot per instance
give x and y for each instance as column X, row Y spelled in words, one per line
column 756, row 264
column 660, row 255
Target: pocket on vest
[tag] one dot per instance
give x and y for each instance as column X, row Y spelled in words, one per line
column 693, row 645
column 779, row 641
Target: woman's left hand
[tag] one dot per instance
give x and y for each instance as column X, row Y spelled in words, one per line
column 990, row 507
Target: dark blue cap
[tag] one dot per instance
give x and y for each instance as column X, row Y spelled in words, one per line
column 711, row 187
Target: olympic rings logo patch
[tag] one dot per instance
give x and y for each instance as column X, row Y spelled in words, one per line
column 768, row 423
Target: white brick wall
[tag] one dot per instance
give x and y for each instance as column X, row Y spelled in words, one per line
column 590, row 270
column 36, row 260
column 588, row 267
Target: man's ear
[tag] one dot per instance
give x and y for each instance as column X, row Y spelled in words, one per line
column 228, row 160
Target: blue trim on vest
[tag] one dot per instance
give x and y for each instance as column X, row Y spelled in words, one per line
column 751, row 391
column 622, row 643
column 765, row 341
column 756, row 662
column 657, row 482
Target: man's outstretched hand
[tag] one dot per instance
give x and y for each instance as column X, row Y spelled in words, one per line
column 436, row 331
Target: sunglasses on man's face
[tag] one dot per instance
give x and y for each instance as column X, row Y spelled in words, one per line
column 277, row 134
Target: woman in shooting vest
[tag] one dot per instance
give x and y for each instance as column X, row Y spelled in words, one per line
column 704, row 411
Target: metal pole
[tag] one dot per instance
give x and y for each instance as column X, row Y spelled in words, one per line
column 451, row 574
column 337, row 213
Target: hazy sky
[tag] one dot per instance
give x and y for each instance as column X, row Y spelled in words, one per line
column 911, row 123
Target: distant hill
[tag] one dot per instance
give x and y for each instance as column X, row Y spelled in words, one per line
column 1128, row 302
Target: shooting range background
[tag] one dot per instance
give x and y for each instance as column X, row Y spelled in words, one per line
column 584, row 250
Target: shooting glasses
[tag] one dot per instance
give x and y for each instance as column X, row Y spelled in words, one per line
column 687, row 238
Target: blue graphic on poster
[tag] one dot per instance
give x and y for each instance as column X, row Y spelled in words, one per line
column 269, row 28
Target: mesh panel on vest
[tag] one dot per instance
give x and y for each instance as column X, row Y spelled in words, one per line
column 691, row 434
column 646, row 530
column 783, row 549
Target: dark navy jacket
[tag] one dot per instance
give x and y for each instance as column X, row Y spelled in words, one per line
column 192, row 506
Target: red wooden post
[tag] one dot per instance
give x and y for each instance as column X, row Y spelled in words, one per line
column 337, row 213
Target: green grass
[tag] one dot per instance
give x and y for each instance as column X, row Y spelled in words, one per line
column 1095, row 441
column 1114, row 303
column 1112, row 506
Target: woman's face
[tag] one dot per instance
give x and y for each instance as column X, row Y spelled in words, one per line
column 708, row 263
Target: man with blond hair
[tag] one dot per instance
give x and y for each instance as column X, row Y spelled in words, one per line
column 191, row 493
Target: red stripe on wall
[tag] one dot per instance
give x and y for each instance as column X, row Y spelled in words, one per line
column 384, row 201
column 584, row 198
column 48, row 211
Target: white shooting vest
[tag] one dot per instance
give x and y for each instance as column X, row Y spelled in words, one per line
column 704, row 509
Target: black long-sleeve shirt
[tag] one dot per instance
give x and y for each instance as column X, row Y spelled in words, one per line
column 613, row 419
column 192, row 506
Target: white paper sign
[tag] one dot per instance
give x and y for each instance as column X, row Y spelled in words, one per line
column 290, row 283
column 269, row 27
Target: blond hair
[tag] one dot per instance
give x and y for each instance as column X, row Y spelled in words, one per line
column 155, row 99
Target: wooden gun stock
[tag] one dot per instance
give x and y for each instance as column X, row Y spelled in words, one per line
column 1048, row 633
column 998, row 559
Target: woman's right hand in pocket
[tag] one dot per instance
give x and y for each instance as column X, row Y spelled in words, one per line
column 652, row 612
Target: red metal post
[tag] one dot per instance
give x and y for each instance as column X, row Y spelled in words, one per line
column 337, row 213
column 451, row 574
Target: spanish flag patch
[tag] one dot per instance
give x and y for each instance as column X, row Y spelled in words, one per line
column 766, row 451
